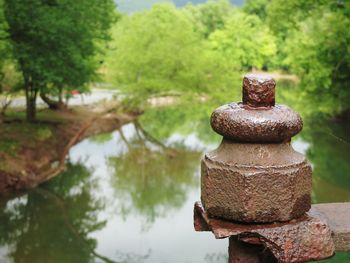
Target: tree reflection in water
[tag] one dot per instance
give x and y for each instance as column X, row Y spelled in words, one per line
column 329, row 150
column 151, row 178
column 52, row 223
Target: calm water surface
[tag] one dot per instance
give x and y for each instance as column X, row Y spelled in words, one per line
column 128, row 196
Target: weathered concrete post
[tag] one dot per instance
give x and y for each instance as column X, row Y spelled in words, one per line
column 255, row 175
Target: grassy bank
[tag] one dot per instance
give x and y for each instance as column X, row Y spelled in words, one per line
column 31, row 153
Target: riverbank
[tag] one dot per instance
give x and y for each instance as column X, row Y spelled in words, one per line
column 31, row 154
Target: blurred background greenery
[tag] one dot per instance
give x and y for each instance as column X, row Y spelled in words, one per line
column 127, row 196
column 147, row 49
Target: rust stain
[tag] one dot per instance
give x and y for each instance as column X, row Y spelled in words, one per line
column 300, row 240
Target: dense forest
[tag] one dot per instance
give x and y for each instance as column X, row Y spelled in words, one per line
column 51, row 47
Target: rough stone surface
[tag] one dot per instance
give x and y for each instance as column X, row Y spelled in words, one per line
column 299, row 240
column 238, row 122
column 258, row 90
column 255, row 182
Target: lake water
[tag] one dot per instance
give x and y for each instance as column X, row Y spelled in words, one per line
column 128, row 196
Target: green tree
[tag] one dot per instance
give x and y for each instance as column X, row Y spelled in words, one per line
column 284, row 16
column 256, row 7
column 8, row 76
column 158, row 52
column 245, row 41
column 10, row 83
column 210, row 16
column 153, row 53
column 316, row 46
column 55, row 43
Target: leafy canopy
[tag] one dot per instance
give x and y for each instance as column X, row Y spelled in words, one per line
column 210, row 16
column 55, row 42
column 317, row 48
column 157, row 52
column 161, row 51
column 245, row 41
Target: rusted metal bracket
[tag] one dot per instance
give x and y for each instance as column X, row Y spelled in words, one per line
column 314, row 236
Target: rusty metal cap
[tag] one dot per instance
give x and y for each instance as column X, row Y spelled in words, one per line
column 258, row 90
column 257, row 118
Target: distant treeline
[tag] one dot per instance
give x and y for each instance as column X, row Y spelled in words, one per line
column 51, row 47
column 205, row 49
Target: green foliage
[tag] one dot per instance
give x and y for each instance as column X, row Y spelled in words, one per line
column 340, row 257
column 184, row 120
column 9, row 146
column 285, row 16
column 43, row 133
column 101, row 138
column 151, row 178
column 63, row 208
column 317, row 49
column 157, row 53
column 322, row 59
column 256, row 7
column 55, row 42
column 4, row 43
column 194, row 52
column 328, row 151
column 10, row 83
column 210, row 16
column 245, row 41
column 161, row 51
column 11, row 80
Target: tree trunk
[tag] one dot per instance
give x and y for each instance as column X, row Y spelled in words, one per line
column 31, row 94
column 60, row 95
column 53, row 105
column 5, row 104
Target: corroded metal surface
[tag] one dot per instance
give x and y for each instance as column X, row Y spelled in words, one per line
column 257, row 119
column 300, row 240
column 240, row 252
column 255, row 175
column 238, row 122
column 258, row 90
column 255, row 182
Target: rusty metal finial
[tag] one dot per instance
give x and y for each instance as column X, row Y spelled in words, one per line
column 258, row 90
column 255, row 175
column 256, row 118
